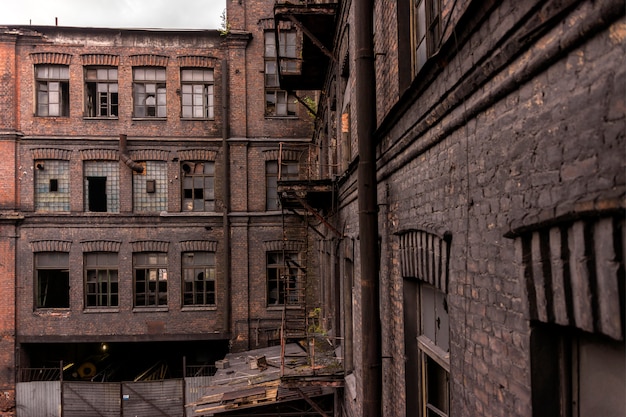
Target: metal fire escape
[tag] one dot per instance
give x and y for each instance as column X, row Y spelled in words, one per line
column 303, row 203
column 307, row 200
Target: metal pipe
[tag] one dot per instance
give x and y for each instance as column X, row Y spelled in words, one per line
column 368, row 210
column 226, row 202
column 126, row 159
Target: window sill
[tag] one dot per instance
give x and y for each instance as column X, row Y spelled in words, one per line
column 197, row 119
column 199, row 308
column 97, row 310
column 150, row 119
column 150, row 309
column 100, row 118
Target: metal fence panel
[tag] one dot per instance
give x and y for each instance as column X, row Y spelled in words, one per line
column 195, row 388
column 38, row 399
column 153, row 398
column 87, row 399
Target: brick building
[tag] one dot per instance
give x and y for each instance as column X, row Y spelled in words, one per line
column 478, row 153
column 465, row 186
column 139, row 219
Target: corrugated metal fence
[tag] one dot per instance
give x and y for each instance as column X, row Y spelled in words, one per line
column 111, row 399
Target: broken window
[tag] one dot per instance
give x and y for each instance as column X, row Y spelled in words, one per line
column 426, row 29
column 53, row 87
column 149, row 93
column 52, row 185
column 53, row 280
column 197, row 93
column 198, row 180
column 279, row 102
column 150, row 279
column 199, row 278
column 282, row 278
column 289, row 170
column 150, row 187
column 101, row 91
column 101, row 186
column 101, row 280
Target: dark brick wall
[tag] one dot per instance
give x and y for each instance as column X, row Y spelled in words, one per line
column 479, row 151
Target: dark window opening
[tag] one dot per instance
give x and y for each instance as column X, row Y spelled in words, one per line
column 53, row 280
column 97, row 194
column 54, row 184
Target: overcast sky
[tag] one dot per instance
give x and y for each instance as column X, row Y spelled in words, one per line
column 154, row 14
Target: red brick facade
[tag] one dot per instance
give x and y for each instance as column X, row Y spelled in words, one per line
column 240, row 318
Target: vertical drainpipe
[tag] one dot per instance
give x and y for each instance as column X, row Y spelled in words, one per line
column 226, row 197
column 368, row 210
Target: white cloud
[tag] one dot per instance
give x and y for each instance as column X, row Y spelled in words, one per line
column 161, row 14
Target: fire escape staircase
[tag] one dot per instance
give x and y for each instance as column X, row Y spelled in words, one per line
column 303, row 203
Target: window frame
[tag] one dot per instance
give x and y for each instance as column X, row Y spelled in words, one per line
column 279, row 103
column 47, row 96
column 52, row 185
column 104, row 268
column 145, row 198
column 149, row 82
column 101, row 104
column 146, row 271
column 109, row 171
column 275, row 278
column 57, row 269
column 189, row 194
column 201, row 96
column 433, row 355
column 425, row 32
column 191, row 269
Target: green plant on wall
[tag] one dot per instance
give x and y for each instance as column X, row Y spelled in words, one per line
column 224, row 28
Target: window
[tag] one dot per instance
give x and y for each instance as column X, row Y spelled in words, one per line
column 197, row 93
column 199, row 278
column 102, row 186
column 576, row 374
column 279, row 102
column 101, row 92
column 288, row 171
column 282, row 278
column 53, row 280
column 101, row 280
column 149, row 98
column 52, row 185
column 53, row 87
column 433, row 346
column 150, row 187
column 426, row 16
column 150, row 279
column 198, row 185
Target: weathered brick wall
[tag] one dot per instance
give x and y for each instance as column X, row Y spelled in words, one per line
column 539, row 138
column 527, row 157
column 128, row 44
column 7, row 317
